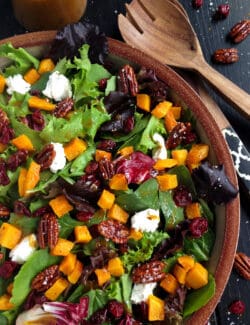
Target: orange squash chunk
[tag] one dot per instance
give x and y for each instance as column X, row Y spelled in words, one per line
column 56, row 289
column 106, row 200
column 9, row 235
column 31, row 76
column 155, row 309
column 82, row 234
column 193, row 210
column 23, row 142
column 40, row 103
column 46, row 65
column 115, row 267
column 143, row 101
column 167, row 181
column 118, row 182
column 62, row 247
column 103, row 276
column 169, row 284
column 75, row 275
column 60, row 205
column 74, row 148
column 117, row 213
column 161, row 109
column 197, row 277
column 101, row 154
column 32, row 177
column 68, row 264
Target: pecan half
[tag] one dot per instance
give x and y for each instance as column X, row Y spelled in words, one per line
column 45, row 157
column 64, row 107
column 4, row 211
column 114, row 230
column 106, row 169
column 46, row 278
column 149, row 272
column 48, row 231
column 127, row 82
column 226, row 56
column 240, row 31
column 242, row 265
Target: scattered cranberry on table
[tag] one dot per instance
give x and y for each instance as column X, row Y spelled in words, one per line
column 222, row 12
column 237, row 307
column 197, row 3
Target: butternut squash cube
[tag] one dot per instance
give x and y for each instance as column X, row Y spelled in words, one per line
column 32, row 177
column 102, row 154
column 21, row 181
column 167, row 181
column 56, row 289
column 117, row 213
column 60, row 205
column 197, row 277
column 115, row 267
column 162, row 164
column 31, row 76
column 75, row 275
column 118, row 182
column 23, row 142
column 9, row 235
column 193, row 210
column 176, row 110
column 68, row 263
column 82, row 234
column 74, row 148
column 40, row 103
column 186, row 261
column 106, row 200
column 62, row 247
column 103, row 276
column 125, row 151
column 180, row 273
column 46, row 65
column 197, row 153
column 169, row 284
column 135, row 234
column 155, row 309
column 5, row 303
column 161, row 109
column 2, row 84
column 143, row 101
column 170, row 121
column 180, row 155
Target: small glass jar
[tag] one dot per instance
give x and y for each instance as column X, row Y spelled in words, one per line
column 37, row 15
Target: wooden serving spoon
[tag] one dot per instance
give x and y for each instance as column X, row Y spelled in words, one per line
column 162, row 30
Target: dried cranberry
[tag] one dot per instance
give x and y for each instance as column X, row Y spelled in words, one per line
column 102, row 84
column 99, row 317
column 92, row 168
column 140, row 311
column 115, row 308
column 41, row 211
column 129, row 124
column 34, row 298
column 37, row 121
column 20, row 208
column 182, row 196
column 6, row 132
column 7, row 269
column 4, row 178
column 222, row 12
column 237, row 307
column 107, row 145
column 198, row 227
column 128, row 320
column 197, row 3
column 17, row 159
column 181, row 133
column 94, row 231
column 84, row 216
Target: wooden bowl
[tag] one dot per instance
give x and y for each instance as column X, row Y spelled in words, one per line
column 228, row 216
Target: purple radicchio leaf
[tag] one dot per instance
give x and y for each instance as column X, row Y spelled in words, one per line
column 70, row 38
column 213, row 184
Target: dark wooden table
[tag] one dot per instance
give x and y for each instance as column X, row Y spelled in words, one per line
column 212, row 35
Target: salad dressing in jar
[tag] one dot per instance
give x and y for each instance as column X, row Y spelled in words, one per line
column 48, row 14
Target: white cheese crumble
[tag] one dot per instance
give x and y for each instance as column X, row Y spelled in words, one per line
column 161, row 151
column 59, row 161
column 147, row 220
column 22, row 251
column 17, row 84
column 141, row 292
column 58, row 87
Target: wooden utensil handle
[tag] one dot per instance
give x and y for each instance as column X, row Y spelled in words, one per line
column 236, row 96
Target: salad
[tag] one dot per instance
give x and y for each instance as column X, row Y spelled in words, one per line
column 106, row 192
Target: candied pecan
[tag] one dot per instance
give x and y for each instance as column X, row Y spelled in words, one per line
column 46, row 156
column 149, row 272
column 4, row 211
column 240, row 31
column 127, row 82
column 226, row 56
column 114, row 230
column 64, row 107
column 46, row 278
column 17, row 159
column 4, row 178
column 106, row 169
column 48, row 231
column 41, row 211
column 242, row 265
column 20, row 208
column 36, row 121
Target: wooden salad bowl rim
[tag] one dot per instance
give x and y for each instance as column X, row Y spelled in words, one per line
column 232, row 209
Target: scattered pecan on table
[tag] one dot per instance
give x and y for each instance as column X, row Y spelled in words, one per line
column 240, row 31
column 242, row 265
column 226, row 56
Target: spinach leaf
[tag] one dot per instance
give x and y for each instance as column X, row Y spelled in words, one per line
column 171, row 212
column 206, row 211
column 8, row 317
column 76, row 294
column 198, row 298
column 97, row 300
column 200, row 247
column 184, row 178
column 39, row 261
column 146, row 196
column 67, row 225
column 126, row 285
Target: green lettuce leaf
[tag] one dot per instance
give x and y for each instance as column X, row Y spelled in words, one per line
column 21, row 59
column 26, row 224
column 39, row 261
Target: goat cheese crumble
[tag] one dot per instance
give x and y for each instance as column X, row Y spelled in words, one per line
column 58, row 87
column 59, row 161
column 141, row 292
column 22, row 251
column 17, row 84
column 147, row 220
column 161, row 151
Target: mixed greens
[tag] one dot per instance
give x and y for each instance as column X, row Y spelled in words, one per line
column 106, row 194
